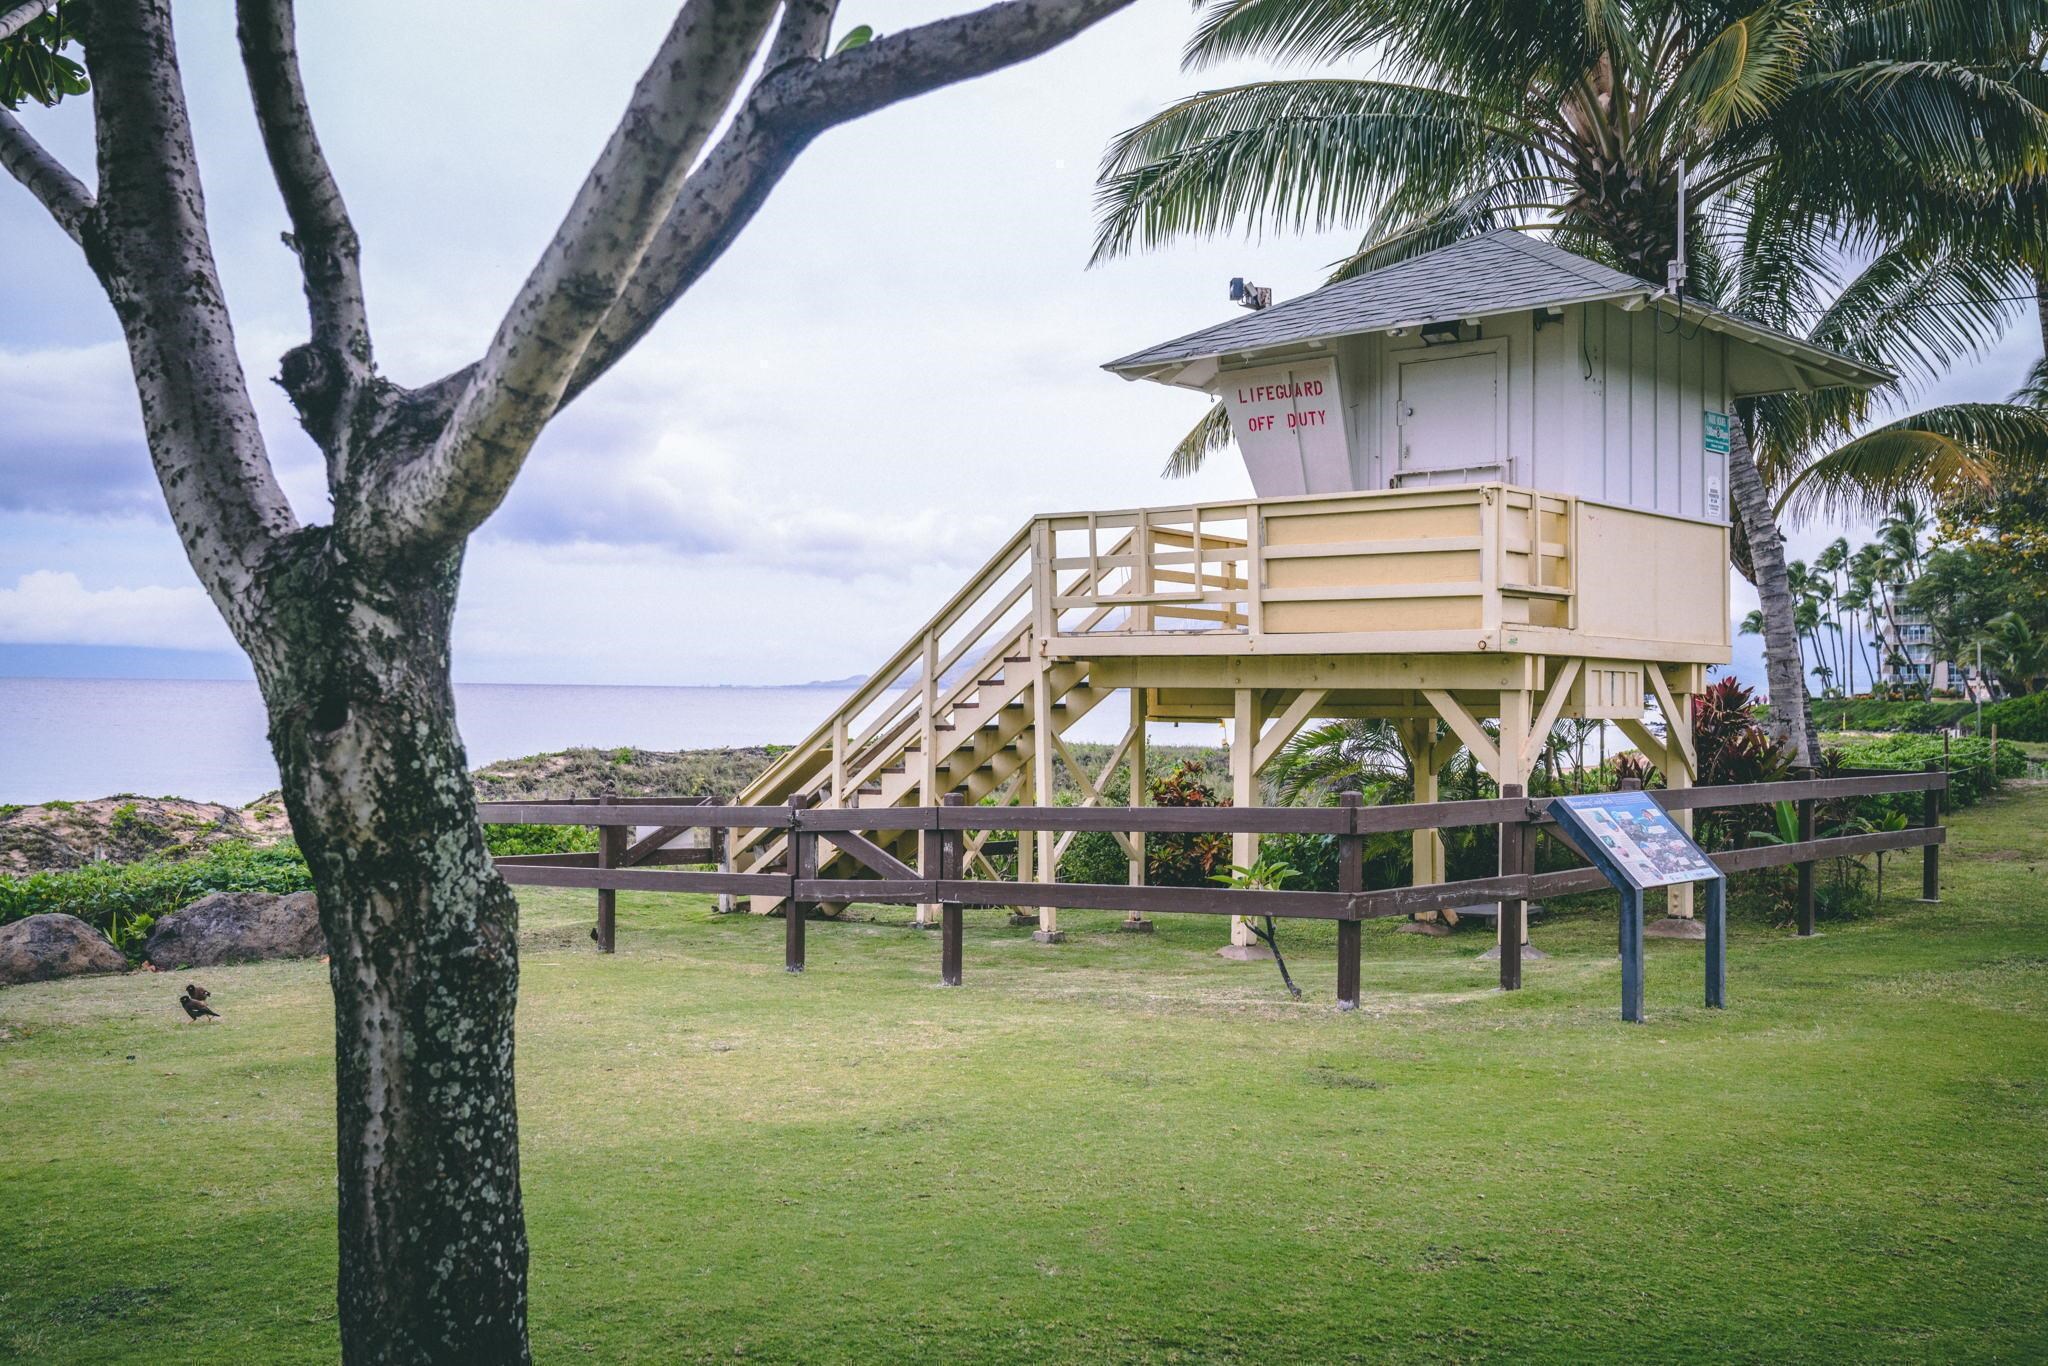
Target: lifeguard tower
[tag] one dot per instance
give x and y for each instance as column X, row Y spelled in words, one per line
column 1489, row 483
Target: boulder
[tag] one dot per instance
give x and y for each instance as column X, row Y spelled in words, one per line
column 237, row 927
column 42, row 947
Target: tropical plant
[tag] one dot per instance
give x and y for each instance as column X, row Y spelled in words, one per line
column 1799, row 136
column 1185, row 859
column 1784, row 828
column 1264, row 876
column 2018, row 651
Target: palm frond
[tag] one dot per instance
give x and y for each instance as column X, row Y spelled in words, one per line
column 1488, row 47
column 2033, row 391
column 1289, row 30
column 1740, row 74
column 1920, row 306
column 1975, row 31
column 1937, row 455
column 1204, row 439
column 1872, row 142
column 1497, row 203
column 1283, row 154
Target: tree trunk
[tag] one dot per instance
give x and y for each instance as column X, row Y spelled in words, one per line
column 2041, row 304
column 424, row 960
column 1791, row 710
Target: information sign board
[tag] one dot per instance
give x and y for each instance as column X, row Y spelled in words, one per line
column 1644, row 843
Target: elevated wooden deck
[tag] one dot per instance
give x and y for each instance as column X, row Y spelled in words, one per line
column 1484, row 568
column 1437, row 608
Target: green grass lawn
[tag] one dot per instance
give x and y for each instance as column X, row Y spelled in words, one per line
column 1116, row 1149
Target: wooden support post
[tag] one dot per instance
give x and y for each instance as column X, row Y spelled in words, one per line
column 1426, row 846
column 611, row 853
column 1632, row 955
column 1717, row 943
column 1679, row 773
column 928, row 756
column 1514, row 912
column 1043, row 754
column 1245, row 724
column 1517, row 707
column 803, row 863
column 1806, row 866
column 1140, row 795
column 1930, row 865
column 946, row 846
column 1350, row 878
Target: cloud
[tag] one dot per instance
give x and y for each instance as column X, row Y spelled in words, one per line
column 53, row 607
column 72, row 441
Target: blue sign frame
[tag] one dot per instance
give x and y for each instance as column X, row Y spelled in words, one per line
column 1636, row 845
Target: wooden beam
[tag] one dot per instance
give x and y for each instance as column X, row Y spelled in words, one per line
column 869, row 854
column 1677, row 720
column 1287, row 727
column 1652, row 748
column 1467, row 728
column 1553, row 704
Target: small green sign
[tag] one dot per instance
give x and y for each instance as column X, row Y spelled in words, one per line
column 1715, row 432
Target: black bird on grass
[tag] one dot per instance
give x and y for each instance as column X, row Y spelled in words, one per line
column 196, row 1009
column 197, row 992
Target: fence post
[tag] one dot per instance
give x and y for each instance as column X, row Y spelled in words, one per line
column 1806, row 866
column 1350, row 878
column 1514, row 911
column 952, row 921
column 611, row 851
column 803, row 864
column 1930, row 855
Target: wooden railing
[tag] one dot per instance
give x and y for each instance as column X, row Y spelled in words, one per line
column 1481, row 566
column 938, row 875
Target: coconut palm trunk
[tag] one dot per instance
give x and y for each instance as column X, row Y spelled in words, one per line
column 1791, row 709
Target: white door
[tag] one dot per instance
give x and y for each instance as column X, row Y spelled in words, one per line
column 1448, row 417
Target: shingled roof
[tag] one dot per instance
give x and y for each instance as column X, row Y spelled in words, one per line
column 1500, row 272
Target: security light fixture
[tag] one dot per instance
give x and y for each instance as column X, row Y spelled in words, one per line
column 1434, row 334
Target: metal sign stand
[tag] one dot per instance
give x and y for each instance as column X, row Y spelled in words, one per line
column 1631, row 883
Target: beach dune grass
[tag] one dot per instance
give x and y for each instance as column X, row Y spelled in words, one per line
column 1122, row 1148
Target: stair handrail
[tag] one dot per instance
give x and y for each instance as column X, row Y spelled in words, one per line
column 885, row 677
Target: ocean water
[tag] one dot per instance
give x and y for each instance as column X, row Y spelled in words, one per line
column 74, row 739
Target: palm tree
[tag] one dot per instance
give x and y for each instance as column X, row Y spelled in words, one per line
column 1788, row 126
column 2017, row 651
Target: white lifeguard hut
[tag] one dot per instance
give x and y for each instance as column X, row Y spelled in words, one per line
column 1489, row 483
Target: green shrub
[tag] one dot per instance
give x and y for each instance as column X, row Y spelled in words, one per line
column 540, row 839
column 1869, row 713
column 1969, row 761
column 122, row 900
column 2019, row 718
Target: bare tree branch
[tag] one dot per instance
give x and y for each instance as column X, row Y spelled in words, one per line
column 805, row 28
column 20, row 17
column 786, row 110
column 156, row 262
column 517, row 386
column 322, row 236
column 68, row 201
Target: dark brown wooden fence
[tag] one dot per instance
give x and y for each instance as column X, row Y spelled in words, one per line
column 635, row 867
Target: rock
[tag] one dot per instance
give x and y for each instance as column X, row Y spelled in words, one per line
column 42, row 947
column 238, row 927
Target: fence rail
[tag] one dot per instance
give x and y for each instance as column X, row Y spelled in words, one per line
column 620, row 866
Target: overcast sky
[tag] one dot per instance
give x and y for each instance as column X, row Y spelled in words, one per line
column 891, row 369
